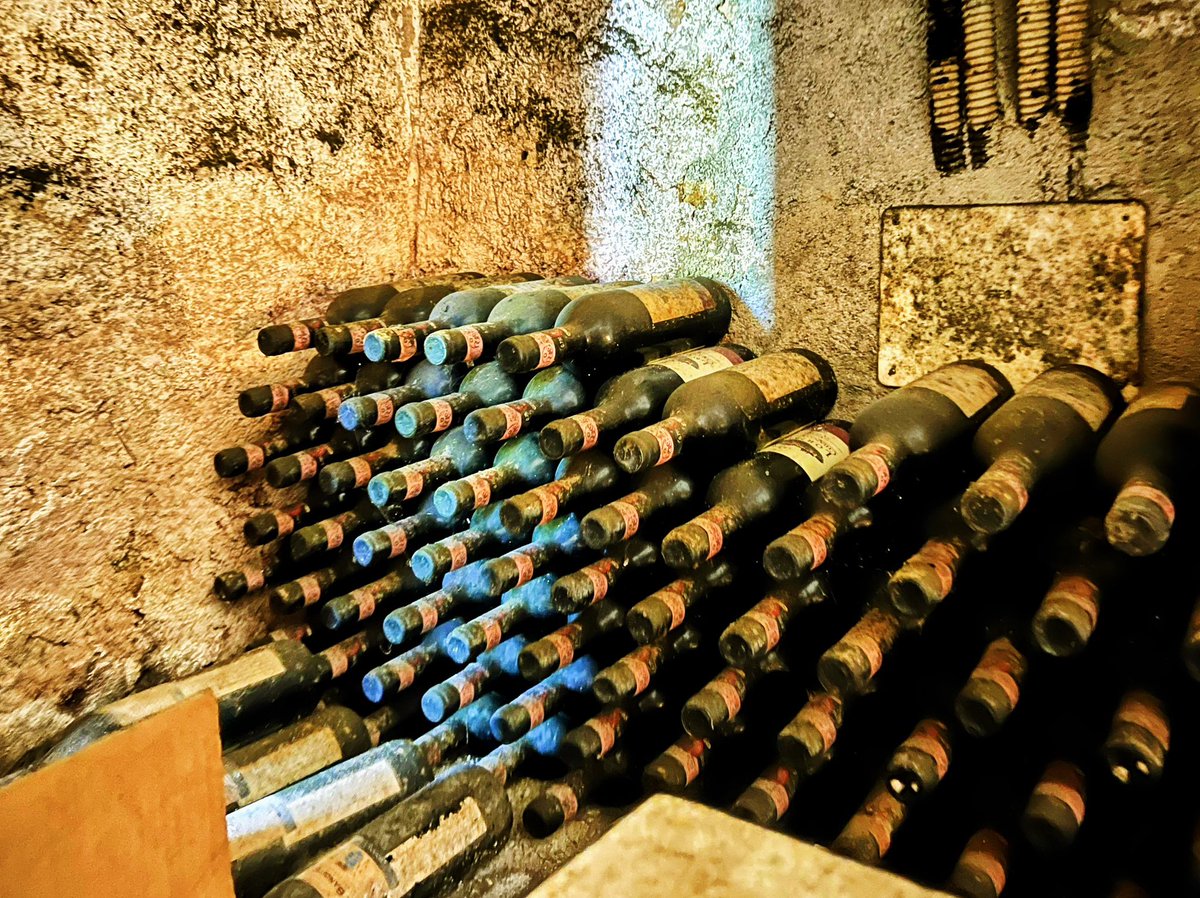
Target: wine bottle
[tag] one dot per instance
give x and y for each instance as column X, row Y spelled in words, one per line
column 360, row 604
column 605, row 323
column 350, row 305
column 557, row 649
column 419, row 617
column 809, row 737
column 542, row 700
column 328, row 735
column 1065, row 621
column 325, row 405
column 768, row 798
column 530, row 600
column 981, row 871
column 1146, row 458
column 518, row 464
column 401, row 342
column 395, row 539
column 473, row 681
column 332, row 533
column 543, row 739
column 992, row 690
column 424, row 381
column 635, row 397
column 414, row 304
column 244, row 688
column 776, row 476
column 591, row 583
column 1055, row 810
column 850, row 665
column 575, row 477
column 666, row 609
column 659, row 489
column 270, row 837
column 482, row 386
column 924, row 580
column 920, row 762
column 919, row 419
column 1051, row 422
column 807, row 546
column 288, row 470
column 435, row 560
column 557, row 391
column 268, row 526
column 319, row 373
column 719, row 701
column 594, row 739
column 529, row 310
column 555, row 540
column 338, row 477
column 631, row 675
column 398, row 673
column 559, row 802
column 677, row 767
column 1137, row 744
column 454, row 454
column 868, row 835
column 275, row 567
column 414, row 847
column 236, row 460
column 306, row 591
column 760, row 629
column 732, row 406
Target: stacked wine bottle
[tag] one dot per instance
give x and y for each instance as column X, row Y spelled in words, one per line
column 558, row 527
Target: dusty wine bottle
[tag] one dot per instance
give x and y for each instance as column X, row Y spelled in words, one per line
column 594, row 739
column 320, row 373
column 483, row 385
column 394, row 540
column 731, row 407
column 1147, row 458
column 1052, row 818
column 981, row 871
column 324, row 405
column 518, row 464
column 632, row 674
column 236, row 460
column 591, row 583
column 848, row 667
column 992, row 690
column 328, row 735
column 333, row 532
column 776, row 476
column 424, row 381
column 809, row 737
column 531, row 600
column 274, row 568
column 559, row 802
column 531, row 309
column 659, row 489
column 557, row 649
column 454, row 454
column 768, row 798
column 556, row 391
column 540, row 701
column 419, row 617
column 666, row 609
column 308, row 590
column 868, row 835
column 338, row 477
column 621, row 319
column 544, row 739
column 920, row 762
column 918, row 419
column 1065, row 621
column 1052, row 421
column 435, row 560
column 760, row 629
column 558, row 539
column 677, row 767
column 808, row 545
column 360, row 604
column 268, row 526
column 635, row 397
column 925, row 579
column 576, row 477
column 305, row 465
column 719, row 701
column 472, row 681
column 272, row 836
column 1137, row 743
column 398, row 673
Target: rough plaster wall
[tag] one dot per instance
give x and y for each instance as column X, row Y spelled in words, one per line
column 172, row 174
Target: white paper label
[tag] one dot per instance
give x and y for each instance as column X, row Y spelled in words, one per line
column 779, row 374
column 340, row 799
column 968, row 387
column 1074, row 390
column 698, row 362
column 814, row 449
column 669, row 300
column 290, row 763
column 420, row 857
column 348, row 871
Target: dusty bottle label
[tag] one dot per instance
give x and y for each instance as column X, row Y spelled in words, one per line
column 348, row 870
column 698, row 362
column 629, row 516
column 774, row 791
column 287, row 764
column 814, row 449
column 256, row 457
column 671, row 300
column 474, row 341
column 1080, row 393
column 968, row 387
column 1169, row 397
column 567, row 799
column 1063, row 783
column 688, row 760
column 339, row 799
column 458, row 553
column 819, row 714
column 301, row 336
column 285, row 523
column 444, row 412
column 779, row 374
column 589, row 428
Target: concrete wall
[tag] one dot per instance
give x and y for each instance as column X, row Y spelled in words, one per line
column 174, row 175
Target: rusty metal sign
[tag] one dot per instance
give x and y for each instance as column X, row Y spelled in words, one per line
column 1021, row 286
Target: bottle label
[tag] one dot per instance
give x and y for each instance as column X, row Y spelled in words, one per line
column 671, row 300
column 398, row 538
column 308, row 465
column 779, row 374
column 414, row 482
column 774, row 791
column 256, row 456
column 1065, row 792
column 567, row 800
column 474, row 342
column 280, row 396
column 1169, row 397
column 301, row 336
column 332, row 399
column 513, row 421
column 968, row 387
column 458, row 553
column 429, row 614
column 444, row 412
column 929, row 744
column 405, row 673
column 256, row 578
column 629, row 515
column 728, row 693
column 986, row 862
column 524, row 565
column 563, row 647
column 547, row 348
column 287, row 764
column 481, row 489
column 1079, row 393
column 767, row 614
column 338, row 799
column 818, row 715
column 1080, row 592
column 870, row 648
column 334, row 533
column 346, row 870
column 589, row 428
column 666, row 442
column 604, row 729
column 598, row 581
column 1142, row 490
column 284, row 522
column 385, row 409
column 688, row 761
column 1142, row 710
column 408, row 344
column 673, row 601
column 465, row 686
column 698, row 362
column 814, row 449
column 994, row 673
column 641, row 673
column 535, row 706
column 712, row 529
column 421, row 857
column 818, row 532
column 492, row 633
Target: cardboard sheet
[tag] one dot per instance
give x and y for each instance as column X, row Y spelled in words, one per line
column 140, row 814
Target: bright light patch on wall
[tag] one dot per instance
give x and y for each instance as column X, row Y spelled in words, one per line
column 680, row 155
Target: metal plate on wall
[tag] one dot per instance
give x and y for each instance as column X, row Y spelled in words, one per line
column 1021, row 286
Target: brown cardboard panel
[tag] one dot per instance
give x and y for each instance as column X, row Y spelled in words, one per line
column 140, row 814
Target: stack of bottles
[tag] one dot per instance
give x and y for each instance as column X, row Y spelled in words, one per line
column 559, row 528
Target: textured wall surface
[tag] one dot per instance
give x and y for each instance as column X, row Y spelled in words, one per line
column 175, row 174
